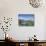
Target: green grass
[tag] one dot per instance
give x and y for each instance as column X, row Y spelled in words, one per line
column 27, row 23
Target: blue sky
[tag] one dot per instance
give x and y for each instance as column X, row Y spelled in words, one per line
column 26, row 17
